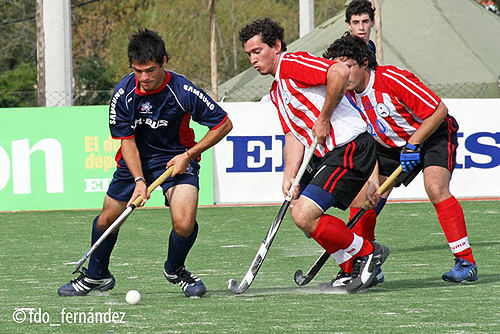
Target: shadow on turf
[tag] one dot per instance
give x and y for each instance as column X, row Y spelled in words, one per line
column 438, row 247
column 255, row 292
column 313, row 289
column 405, row 284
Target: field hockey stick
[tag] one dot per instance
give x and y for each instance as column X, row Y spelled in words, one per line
column 117, row 223
column 299, row 278
column 233, row 286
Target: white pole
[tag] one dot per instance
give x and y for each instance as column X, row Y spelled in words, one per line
column 58, row 53
column 306, row 16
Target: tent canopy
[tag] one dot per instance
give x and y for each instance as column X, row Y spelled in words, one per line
column 453, row 46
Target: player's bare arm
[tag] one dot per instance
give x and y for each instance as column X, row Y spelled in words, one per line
column 212, row 137
column 372, row 186
column 131, row 156
column 336, row 83
column 293, row 154
column 429, row 125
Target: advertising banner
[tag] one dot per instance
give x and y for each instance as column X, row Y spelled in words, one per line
column 63, row 158
column 249, row 164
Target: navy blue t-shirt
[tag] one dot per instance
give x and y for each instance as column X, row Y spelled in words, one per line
column 372, row 47
column 159, row 120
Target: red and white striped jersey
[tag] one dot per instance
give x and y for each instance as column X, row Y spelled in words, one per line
column 298, row 92
column 394, row 104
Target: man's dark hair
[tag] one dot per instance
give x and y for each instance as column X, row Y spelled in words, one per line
column 269, row 30
column 353, row 47
column 146, row 45
column 358, row 7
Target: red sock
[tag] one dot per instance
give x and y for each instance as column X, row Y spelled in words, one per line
column 451, row 218
column 365, row 227
column 347, row 266
column 333, row 235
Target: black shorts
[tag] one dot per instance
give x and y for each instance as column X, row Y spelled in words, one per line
column 337, row 178
column 440, row 149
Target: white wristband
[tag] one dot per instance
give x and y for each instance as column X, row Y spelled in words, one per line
column 139, row 178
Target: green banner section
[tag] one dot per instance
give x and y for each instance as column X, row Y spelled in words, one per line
column 63, row 158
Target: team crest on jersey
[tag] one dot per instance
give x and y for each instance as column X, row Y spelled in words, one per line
column 146, row 108
column 382, row 110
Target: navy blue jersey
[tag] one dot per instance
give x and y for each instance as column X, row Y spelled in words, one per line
column 372, row 47
column 159, row 120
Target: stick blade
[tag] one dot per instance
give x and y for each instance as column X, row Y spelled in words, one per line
column 235, row 288
column 79, row 264
column 300, row 279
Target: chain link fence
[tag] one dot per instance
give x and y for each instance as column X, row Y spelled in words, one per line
column 53, row 99
column 465, row 90
column 240, row 94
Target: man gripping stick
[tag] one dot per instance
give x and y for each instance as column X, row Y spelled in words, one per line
column 150, row 113
column 412, row 127
column 308, row 93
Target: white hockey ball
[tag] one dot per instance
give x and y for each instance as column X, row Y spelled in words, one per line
column 133, row 297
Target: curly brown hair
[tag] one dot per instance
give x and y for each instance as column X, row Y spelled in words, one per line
column 269, row 30
column 354, row 47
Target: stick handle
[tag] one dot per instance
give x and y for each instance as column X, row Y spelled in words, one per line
column 389, row 183
column 303, row 167
column 118, row 221
column 155, row 184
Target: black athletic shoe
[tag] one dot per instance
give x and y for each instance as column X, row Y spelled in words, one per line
column 191, row 285
column 339, row 282
column 364, row 269
column 84, row 284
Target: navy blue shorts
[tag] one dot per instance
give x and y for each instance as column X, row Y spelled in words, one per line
column 337, row 178
column 122, row 185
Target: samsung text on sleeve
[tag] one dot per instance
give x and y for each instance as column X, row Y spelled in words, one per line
column 202, row 97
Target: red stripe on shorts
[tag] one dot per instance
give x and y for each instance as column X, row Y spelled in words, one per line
column 331, row 177
column 348, row 163
column 451, row 147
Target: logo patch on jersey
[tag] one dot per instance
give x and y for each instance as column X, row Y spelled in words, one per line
column 382, row 110
column 146, row 108
column 151, row 123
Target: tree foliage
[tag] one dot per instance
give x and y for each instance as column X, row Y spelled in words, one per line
column 17, row 33
column 20, row 79
column 100, row 31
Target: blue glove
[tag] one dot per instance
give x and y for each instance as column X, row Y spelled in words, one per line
column 410, row 157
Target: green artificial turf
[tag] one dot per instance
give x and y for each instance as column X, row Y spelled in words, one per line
column 39, row 249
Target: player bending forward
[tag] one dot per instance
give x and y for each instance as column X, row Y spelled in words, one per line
column 412, row 127
column 150, row 113
column 309, row 94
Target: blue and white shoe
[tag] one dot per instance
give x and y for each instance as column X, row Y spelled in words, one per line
column 191, row 285
column 379, row 277
column 83, row 285
column 462, row 271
